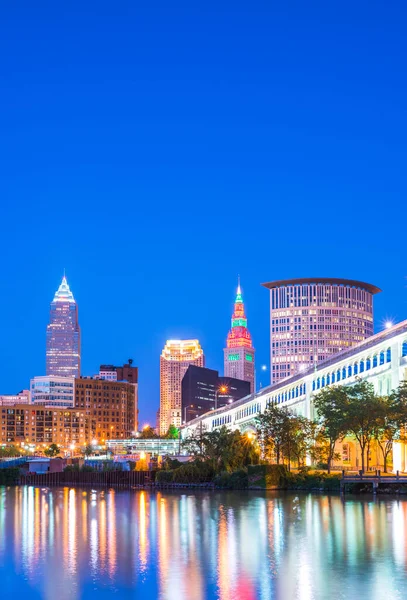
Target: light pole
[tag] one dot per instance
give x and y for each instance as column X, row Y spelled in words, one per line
column 263, row 369
column 223, row 389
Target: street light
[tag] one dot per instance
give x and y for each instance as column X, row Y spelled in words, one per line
column 223, row 389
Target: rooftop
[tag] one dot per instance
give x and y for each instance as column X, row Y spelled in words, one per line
column 323, row 280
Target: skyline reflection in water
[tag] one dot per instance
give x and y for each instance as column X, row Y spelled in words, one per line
column 80, row 543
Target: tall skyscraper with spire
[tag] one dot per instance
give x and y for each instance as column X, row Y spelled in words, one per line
column 63, row 335
column 239, row 351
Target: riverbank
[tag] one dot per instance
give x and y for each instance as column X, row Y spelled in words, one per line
column 258, row 477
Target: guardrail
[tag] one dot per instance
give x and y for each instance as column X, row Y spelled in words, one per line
column 81, row 479
column 376, row 479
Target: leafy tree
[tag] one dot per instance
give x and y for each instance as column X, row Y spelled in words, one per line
column 88, row 450
column 147, row 433
column 11, row 451
column 362, row 410
column 172, row 433
column 52, row 450
column 222, row 449
column 302, row 434
column 330, row 404
column 272, row 429
column 390, row 423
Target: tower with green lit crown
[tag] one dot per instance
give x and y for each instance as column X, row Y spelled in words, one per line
column 239, row 351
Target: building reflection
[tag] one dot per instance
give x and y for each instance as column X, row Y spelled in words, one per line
column 71, row 543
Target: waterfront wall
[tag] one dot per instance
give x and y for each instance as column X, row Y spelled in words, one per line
column 83, row 479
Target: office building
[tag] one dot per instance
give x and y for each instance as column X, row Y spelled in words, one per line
column 175, row 359
column 110, row 407
column 22, row 397
column 315, row 318
column 239, row 360
column 63, row 357
column 126, row 373
column 26, row 423
column 203, row 390
column 50, row 390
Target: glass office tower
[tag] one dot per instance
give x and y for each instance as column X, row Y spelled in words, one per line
column 63, row 335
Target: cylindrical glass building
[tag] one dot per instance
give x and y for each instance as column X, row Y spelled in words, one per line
column 312, row 319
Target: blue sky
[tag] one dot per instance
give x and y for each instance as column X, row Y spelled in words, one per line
column 157, row 151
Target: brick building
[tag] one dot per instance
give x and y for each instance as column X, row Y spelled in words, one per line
column 42, row 425
column 110, row 407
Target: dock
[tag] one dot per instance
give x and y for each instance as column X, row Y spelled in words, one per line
column 376, row 479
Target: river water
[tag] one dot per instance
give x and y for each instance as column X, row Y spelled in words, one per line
column 74, row 544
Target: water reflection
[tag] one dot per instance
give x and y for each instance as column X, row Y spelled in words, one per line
column 80, row 544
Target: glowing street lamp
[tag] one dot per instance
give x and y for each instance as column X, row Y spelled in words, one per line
column 223, row 389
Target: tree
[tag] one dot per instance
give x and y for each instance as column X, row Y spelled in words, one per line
column 88, row 450
column 302, row 435
column 52, row 450
column 172, row 433
column 391, row 422
column 330, row 404
column 272, row 427
column 362, row 410
column 222, row 449
column 147, row 433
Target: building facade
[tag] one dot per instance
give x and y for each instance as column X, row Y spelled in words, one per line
column 239, row 360
column 124, row 373
column 63, row 355
column 175, row 359
column 50, row 390
column 22, row 397
column 381, row 360
column 109, row 406
column 314, row 319
column 202, row 390
column 39, row 425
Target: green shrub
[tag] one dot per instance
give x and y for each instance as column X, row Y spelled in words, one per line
column 9, row 476
column 195, row 472
column 313, row 481
column 170, row 463
column 164, row 476
column 267, row 476
column 237, row 480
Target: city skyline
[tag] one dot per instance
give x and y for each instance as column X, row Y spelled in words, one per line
column 150, row 416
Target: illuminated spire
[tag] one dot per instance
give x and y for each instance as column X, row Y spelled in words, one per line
column 63, row 293
column 239, row 298
column 239, row 335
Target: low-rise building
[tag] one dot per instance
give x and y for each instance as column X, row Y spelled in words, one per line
column 22, row 397
column 53, row 390
column 30, row 424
